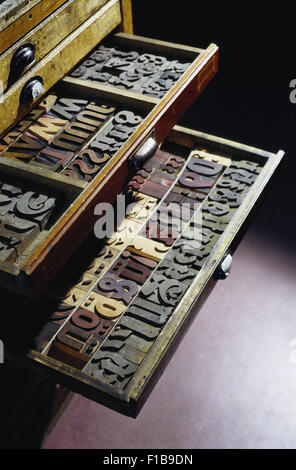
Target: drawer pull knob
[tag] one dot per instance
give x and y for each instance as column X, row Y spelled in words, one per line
column 224, row 268
column 23, row 58
column 32, row 90
column 146, row 151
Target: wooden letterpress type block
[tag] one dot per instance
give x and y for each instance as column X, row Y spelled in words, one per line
column 163, row 233
column 127, row 352
column 187, row 193
column 46, row 127
column 67, row 108
column 140, row 328
column 79, row 338
column 224, row 161
column 55, row 159
column 58, row 318
column 26, row 143
column 111, row 368
column 67, row 142
column 106, row 254
column 241, row 175
column 163, row 291
column 17, row 233
column 149, row 312
column 8, row 254
column 204, row 167
column 104, row 307
column 148, row 248
column 86, row 164
column 35, row 207
column 116, row 288
column 194, row 181
column 97, row 267
column 24, row 157
column 147, row 187
column 134, row 267
column 122, row 334
column 171, row 270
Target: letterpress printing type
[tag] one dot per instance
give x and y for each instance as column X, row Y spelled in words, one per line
column 148, row 248
column 104, row 307
column 149, row 312
column 46, row 127
column 122, row 335
column 111, row 368
column 55, row 159
column 134, row 267
column 162, row 290
column 86, row 164
column 67, row 108
column 79, row 337
column 119, row 289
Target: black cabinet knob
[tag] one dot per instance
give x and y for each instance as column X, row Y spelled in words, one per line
column 21, row 60
column 32, row 89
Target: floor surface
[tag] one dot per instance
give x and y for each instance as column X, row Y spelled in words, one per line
column 231, row 383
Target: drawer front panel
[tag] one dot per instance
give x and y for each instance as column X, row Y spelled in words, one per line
column 116, row 317
column 58, row 62
column 18, row 19
column 48, row 34
column 66, row 133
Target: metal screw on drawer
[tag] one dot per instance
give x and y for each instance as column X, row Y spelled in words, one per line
column 224, row 268
column 32, row 90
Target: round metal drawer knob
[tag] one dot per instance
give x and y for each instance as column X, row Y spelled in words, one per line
column 224, row 267
column 32, row 90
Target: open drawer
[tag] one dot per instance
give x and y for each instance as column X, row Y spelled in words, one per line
column 109, row 322
column 89, row 137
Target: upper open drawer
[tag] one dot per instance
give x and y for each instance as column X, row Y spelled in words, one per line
column 79, row 145
column 111, row 319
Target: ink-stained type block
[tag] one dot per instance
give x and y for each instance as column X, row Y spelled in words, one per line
column 163, row 291
column 103, row 306
column 148, row 248
column 142, row 73
column 23, row 214
column 86, row 281
column 171, row 270
column 134, row 267
column 224, row 161
column 116, row 288
column 148, row 187
column 67, row 108
column 140, row 207
column 200, row 175
column 149, row 312
column 59, row 316
column 79, row 338
column 46, row 127
column 111, row 368
column 53, row 158
column 116, row 132
column 86, row 165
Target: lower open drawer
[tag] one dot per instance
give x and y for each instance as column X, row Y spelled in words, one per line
column 109, row 322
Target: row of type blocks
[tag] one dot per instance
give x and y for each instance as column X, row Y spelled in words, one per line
column 73, row 136
column 136, row 259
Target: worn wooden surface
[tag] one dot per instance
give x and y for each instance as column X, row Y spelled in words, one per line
column 59, row 61
column 49, row 33
column 24, row 19
column 127, row 16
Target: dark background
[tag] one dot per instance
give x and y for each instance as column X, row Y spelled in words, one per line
column 248, row 101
